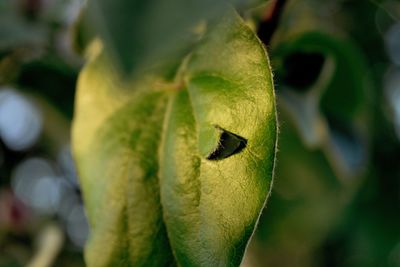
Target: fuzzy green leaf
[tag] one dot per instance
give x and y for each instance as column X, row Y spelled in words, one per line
column 177, row 174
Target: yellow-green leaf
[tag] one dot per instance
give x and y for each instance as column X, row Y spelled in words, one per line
column 177, row 174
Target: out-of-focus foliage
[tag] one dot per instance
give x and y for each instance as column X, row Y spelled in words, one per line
column 323, row 141
column 336, row 200
column 325, row 86
column 42, row 222
column 152, row 34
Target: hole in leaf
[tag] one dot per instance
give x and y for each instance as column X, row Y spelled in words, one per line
column 302, row 69
column 228, row 145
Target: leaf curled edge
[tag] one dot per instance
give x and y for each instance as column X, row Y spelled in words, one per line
column 162, row 184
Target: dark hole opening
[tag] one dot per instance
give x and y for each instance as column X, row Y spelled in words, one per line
column 228, row 145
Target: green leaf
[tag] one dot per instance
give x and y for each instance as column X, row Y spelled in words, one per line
column 139, row 33
column 178, row 173
column 325, row 88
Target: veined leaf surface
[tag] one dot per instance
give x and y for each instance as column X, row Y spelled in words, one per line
column 177, row 175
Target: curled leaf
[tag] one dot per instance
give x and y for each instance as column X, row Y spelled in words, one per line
column 177, row 176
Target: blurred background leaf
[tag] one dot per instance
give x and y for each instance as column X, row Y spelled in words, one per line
column 330, row 61
column 146, row 34
column 326, row 89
